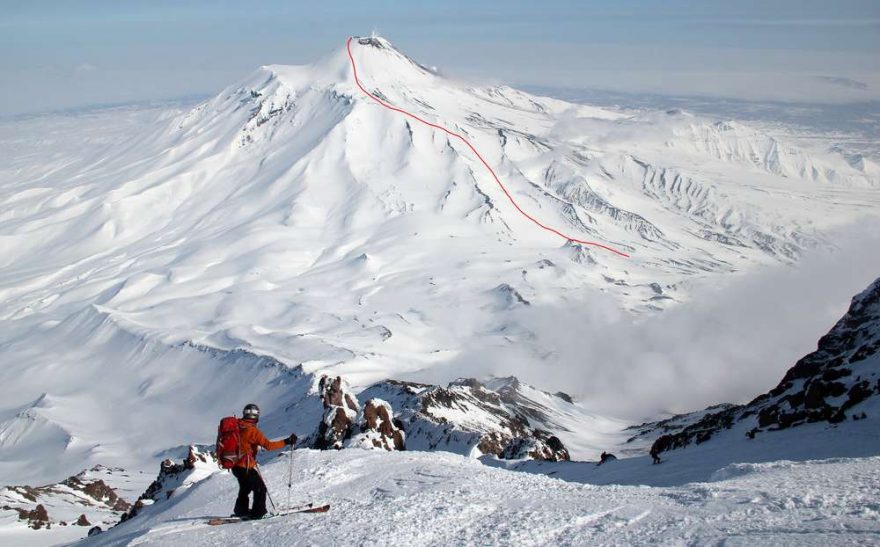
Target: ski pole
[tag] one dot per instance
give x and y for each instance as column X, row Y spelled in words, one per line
column 289, row 475
column 257, row 467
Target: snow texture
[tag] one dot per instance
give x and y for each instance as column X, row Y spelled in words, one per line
column 160, row 268
column 394, row 498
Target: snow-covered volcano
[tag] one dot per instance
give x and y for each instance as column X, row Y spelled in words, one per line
column 150, row 283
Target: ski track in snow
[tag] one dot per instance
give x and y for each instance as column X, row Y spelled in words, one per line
column 477, row 154
column 444, row 499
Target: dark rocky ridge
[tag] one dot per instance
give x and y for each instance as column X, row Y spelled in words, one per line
column 467, row 416
column 171, row 476
column 827, row 385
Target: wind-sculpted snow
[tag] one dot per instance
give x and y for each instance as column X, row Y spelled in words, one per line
column 411, row 498
column 291, row 227
column 717, row 219
column 575, row 189
column 736, row 143
column 109, row 395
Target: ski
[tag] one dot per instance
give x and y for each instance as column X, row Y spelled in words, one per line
column 309, row 508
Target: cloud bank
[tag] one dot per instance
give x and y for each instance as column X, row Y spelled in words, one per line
column 734, row 339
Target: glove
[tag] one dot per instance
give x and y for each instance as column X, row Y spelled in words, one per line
column 290, row 440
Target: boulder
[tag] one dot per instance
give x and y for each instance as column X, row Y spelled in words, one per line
column 377, row 428
column 37, row 518
column 195, row 458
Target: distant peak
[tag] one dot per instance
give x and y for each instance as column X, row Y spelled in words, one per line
column 374, row 41
column 376, row 48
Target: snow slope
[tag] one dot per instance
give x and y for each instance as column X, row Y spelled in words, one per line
column 115, row 397
column 702, row 462
column 95, row 497
column 291, row 226
column 155, row 279
column 417, row 498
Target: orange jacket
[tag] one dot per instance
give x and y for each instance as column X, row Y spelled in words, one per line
column 252, row 439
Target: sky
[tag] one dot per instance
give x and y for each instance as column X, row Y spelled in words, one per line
column 59, row 54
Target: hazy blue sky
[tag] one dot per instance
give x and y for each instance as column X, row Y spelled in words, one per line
column 59, row 54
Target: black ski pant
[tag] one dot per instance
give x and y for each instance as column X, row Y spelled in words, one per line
column 249, row 480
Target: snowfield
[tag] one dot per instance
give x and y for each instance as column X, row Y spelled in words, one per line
column 413, row 498
column 162, row 266
column 294, row 218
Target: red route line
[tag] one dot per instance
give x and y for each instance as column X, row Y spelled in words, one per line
column 479, row 156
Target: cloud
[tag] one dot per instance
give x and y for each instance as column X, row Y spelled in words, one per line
column 733, row 340
column 793, row 22
column 86, row 67
column 845, row 82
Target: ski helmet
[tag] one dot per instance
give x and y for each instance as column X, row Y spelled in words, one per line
column 251, row 412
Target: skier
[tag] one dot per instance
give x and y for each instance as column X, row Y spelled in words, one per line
column 249, row 479
column 655, row 454
column 606, row 457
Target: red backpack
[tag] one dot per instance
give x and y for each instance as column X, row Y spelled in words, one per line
column 228, row 443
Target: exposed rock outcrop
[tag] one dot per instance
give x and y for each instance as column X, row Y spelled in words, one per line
column 67, row 499
column 36, row 518
column 98, row 490
column 470, row 418
column 828, row 385
column 377, row 428
column 649, row 431
column 549, row 450
column 173, row 476
column 340, row 412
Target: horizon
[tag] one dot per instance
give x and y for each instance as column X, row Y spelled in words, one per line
column 59, row 56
